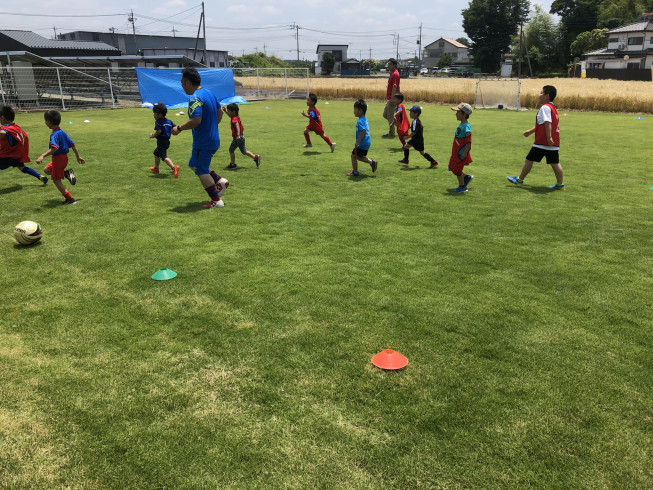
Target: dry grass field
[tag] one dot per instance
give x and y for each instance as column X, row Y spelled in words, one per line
column 573, row 93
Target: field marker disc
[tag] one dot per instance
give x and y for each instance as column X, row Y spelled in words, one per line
column 390, row 360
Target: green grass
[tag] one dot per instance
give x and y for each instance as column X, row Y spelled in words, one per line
column 525, row 314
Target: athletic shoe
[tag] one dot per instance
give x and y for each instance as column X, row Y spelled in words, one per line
column 214, row 204
column 353, row 173
column 231, row 167
column 468, row 179
column 43, row 179
column 222, row 185
column 257, row 160
column 515, row 180
column 374, row 165
column 434, row 164
column 460, row 188
column 333, row 147
column 175, row 171
column 308, row 145
column 403, row 160
column 557, row 186
column 70, row 175
column 69, row 201
column 154, row 169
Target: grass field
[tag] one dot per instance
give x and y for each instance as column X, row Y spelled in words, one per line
column 525, row 313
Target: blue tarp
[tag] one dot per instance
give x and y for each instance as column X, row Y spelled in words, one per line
column 156, row 85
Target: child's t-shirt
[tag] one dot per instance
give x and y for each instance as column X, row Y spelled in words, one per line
column 165, row 126
column 236, row 123
column 461, row 139
column 363, row 125
column 417, row 131
column 60, row 142
column 203, row 103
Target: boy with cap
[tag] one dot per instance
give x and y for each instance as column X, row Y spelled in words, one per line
column 417, row 138
column 462, row 142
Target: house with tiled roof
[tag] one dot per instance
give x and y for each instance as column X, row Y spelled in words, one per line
column 437, row 49
column 27, row 41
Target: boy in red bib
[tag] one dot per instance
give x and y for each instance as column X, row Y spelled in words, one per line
column 14, row 145
column 547, row 139
column 60, row 143
column 315, row 123
column 400, row 119
column 238, row 137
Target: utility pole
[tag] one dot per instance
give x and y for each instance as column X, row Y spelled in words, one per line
column 521, row 34
column 370, row 53
column 197, row 38
column 173, row 31
column 397, row 58
column 204, row 34
column 264, row 51
column 55, row 31
column 296, row 27
column 131, row 19
column 419, row 44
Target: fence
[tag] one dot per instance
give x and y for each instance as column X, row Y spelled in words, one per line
column 41, row 88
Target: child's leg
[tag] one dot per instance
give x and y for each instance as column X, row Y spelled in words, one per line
column 62, row 188
column 232, row 155
column 30, row 171
column 557, row 170
column 461, row 179
column 308, row 138
column 354, row 162
column 364, row 159
column 326, row 138
column 48, row 170
column 169, row 163
column 428, row 157
column 528, row 165
column 157, row 160
column 250, row 155
column 402, row 140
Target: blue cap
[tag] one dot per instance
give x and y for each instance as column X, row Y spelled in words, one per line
column 416, row 109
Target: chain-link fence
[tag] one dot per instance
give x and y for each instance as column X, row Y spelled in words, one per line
column 63, row 88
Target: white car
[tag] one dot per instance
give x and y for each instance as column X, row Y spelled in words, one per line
column 424, row 71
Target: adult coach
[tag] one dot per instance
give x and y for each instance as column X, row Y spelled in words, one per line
column 204, row 115
column 393, row 88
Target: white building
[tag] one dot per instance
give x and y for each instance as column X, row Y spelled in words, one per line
column 433, row 52
column 339, row 52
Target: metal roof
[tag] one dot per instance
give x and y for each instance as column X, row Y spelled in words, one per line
column 640, row 26
column 33, row 40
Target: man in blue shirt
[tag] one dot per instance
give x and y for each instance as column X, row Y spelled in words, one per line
column 204, row 115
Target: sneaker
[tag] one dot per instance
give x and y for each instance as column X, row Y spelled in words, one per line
column 557, row 186
column 231, row 167
column 308, row 145
column 333, row 147
column 257, row 160
column 403, row 160
column 222, row 185
column 69, row 201
column 214, row 204
column 468, row 179
column 175, row 171
column 460, row 188
column 515, row 180
column 43, row 179
column 374, row 165
column 70, row 175
column 434, row 164
column 154, row 169
column 353, row 173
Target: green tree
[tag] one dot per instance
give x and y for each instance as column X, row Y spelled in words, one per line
column 445, row 60
column 576, row 16
column 260, row 60
column 490, row 25
column 614, row 13
column 328, row 62
column 589, row 41
column 464, row 40
column 542, row 36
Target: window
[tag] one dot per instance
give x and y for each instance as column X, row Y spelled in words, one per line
column 635, row 41
column 650, row 41
column 441, row 44
column 613, row 40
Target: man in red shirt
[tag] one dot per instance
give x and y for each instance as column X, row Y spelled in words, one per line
column 393, row 88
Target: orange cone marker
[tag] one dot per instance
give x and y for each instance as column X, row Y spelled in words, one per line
column 390, row 360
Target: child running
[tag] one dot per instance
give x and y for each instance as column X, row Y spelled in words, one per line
column 162, row 131
column 238, row 137
column 400, row 119
column 462, row 142
column 14, row 145
column 416, row 138
column 315, row 123
column 60, row 143
column 363, row 140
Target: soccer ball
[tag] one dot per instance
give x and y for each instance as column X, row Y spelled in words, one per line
column 27, row 232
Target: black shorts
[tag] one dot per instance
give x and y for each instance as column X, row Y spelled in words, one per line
column 6, row 163
column 536, row 155
column 359, row 152
column 161, row 150
column 417, row 144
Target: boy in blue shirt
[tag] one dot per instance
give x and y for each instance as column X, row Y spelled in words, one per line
column 60, row 144
column 162, row 132
column 363, row 140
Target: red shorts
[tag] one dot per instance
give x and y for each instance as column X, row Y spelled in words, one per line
column 57, row 166
column 456, row 164
column 318, row 131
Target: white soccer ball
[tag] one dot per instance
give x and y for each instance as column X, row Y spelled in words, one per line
column 27, row 232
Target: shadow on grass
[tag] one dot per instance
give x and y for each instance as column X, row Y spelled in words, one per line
column 58, row 203
column 312, row 153
column 191, row 207
column 360, row 177
column 405, row 168
column 536, row 190
column 11, row 189
column 30, row 245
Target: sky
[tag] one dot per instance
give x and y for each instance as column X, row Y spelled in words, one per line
column 380, row 28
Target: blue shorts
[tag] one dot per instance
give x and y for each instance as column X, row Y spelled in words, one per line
column 200, row 160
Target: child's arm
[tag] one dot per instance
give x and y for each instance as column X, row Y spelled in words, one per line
column 79, row 159
column 220, row 114
column 529, row 132
column 156, row 133
column 46, row 154
column 237, row 131
column 465, row 149
column 549, row 138
column 360, row 137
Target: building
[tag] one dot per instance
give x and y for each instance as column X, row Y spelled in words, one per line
column 628, row 55
column 339, row 52
column 27, row 41
column 143, row 45
column 433, row 52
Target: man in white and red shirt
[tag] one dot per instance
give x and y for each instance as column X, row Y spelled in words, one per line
column 393, row 88
column 547, row 139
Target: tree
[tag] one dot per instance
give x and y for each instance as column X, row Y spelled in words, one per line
column 463, row 40
column 490, row 24
column 589, row 41
column 576, row 16
column 542, row 37
column 328, row 62
column 445, row 60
